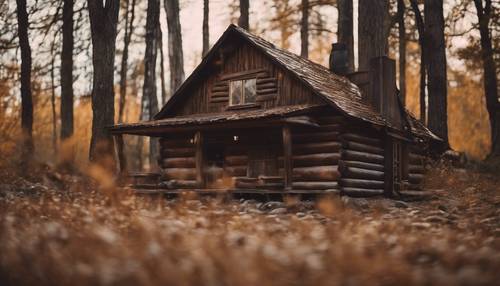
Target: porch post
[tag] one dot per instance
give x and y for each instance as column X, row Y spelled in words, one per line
column 388, row 166
column 287, row 157
column 122, row 159
column 198, row 139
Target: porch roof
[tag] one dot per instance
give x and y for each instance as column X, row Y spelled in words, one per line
column 293, row 115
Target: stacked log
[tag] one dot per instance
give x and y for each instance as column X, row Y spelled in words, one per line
column 315, row 155
column 361, row 165
column 177, row 163
column 416, row 169
column 236, row 161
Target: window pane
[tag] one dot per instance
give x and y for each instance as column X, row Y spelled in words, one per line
column 250, row 90
column 235, row 90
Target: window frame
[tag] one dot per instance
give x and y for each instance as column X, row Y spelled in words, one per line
column 243, row 100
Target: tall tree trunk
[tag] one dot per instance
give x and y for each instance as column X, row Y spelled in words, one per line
column 490, row 75
column 26, row 97
column 304, row 30
column 372, row 26
column 243, row 20
column 345, row 29
column 149, row 87
column 402, row 50
column 435, row 49
column 423, row 59
column 53, row 102
column 206, row 35
column 142, row 116
column 67, row 71
column 159, row 44
column 129, row 28
column 103, row 24
column 175, row 55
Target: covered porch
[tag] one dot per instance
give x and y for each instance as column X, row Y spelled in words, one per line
column 244, row 151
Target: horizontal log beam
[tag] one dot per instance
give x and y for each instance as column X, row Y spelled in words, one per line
column 220, row 88
column 237, row 171
column 416, row 169
column 321, row 159
column 266, row 80
column 359, row 192
column 177, row 152
column 181, row 184
column 219, row 94
column 315, row 137
column 358, row 173
column 244, row 73
column 267, row 91
column 173, row 143
column 363, row 184
column 415, row 178
column 262, row 86
column 319, row 173
column 219, row 99
column 236, row 160
column 362, row 165
column 221, row 83
column 179, row 174
column 184, row 162
column 351, row 145
column 416, row 159
column 362, row 139
column 349, row 155
column 314, row 185
column 315, row 148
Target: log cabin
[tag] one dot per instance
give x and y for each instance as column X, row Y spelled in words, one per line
column 253, row 118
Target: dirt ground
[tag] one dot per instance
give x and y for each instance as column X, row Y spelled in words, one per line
column 58, row 229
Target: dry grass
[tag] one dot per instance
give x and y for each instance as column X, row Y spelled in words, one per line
column 62, row 231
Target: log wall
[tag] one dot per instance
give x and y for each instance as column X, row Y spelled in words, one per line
column 178, row 162
column 416, row 167
column 361, row 162
column 316, row 154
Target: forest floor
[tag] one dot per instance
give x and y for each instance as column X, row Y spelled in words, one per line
column 59, row 229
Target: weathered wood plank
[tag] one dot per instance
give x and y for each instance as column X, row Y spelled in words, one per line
column 360, row 183
column 314, row 148
column 362, row 139
column 318, row 173
column 179, row 173
column 362, row 165
column 321, row 159
column 178, row 152
column 358, row 192
column 351, row 145
column 185, row 162
column 358, row 173
column 349, row 155
column 314, row 185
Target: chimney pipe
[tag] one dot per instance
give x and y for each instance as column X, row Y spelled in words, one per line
column 383, row 90
column 339, row 61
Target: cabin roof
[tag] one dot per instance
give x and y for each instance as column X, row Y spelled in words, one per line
column 336, row 90
column 280, row 115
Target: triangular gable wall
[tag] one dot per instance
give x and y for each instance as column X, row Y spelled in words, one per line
column 204, row 93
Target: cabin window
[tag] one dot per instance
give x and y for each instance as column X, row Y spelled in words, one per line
column 242, row 91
